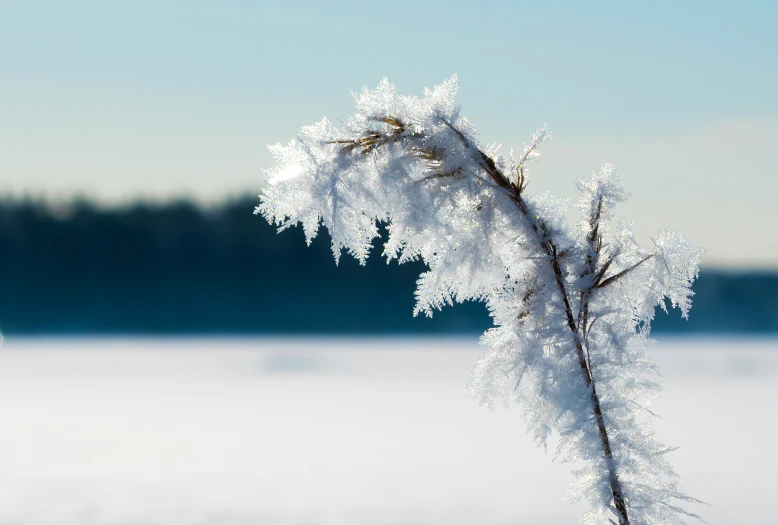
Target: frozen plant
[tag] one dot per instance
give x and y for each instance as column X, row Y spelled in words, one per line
column 572, row 306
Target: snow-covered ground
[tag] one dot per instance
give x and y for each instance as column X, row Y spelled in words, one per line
column 315, row 431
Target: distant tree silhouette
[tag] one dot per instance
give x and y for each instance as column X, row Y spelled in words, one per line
column 178, row 268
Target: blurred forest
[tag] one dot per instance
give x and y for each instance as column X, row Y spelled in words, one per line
column 177, row 268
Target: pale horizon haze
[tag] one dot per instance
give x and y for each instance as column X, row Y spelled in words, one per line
column 116, row 101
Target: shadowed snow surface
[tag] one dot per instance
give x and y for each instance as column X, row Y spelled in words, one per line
column 354, row 431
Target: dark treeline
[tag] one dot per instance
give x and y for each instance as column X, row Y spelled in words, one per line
column 180, row 269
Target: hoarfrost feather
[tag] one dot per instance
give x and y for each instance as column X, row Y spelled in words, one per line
column 415, row 163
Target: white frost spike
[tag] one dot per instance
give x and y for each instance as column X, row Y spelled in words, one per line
column 572, row 307
column 681, row 261
column 289, row 171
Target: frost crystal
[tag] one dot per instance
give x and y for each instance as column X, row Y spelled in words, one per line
column 572, row 307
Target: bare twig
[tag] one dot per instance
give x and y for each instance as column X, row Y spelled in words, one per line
column 622, row 273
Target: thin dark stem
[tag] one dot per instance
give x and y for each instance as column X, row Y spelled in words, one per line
column 595, row 246
column 541, row 230
column 616, row 491
column 397, row 131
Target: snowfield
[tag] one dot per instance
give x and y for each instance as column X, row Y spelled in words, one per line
column 341, row 431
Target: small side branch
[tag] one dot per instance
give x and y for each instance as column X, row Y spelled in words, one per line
column 622, row 273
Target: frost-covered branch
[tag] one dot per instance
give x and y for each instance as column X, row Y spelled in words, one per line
column 572, row 308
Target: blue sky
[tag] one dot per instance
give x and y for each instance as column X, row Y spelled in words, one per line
column 117, row 100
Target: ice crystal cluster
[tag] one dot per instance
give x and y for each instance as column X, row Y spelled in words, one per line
column 572, row 305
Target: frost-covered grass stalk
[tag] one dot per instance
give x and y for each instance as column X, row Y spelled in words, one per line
column 572, row 306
